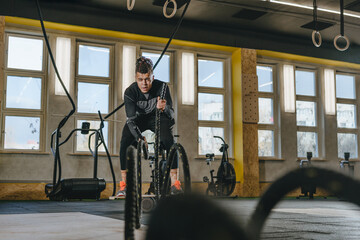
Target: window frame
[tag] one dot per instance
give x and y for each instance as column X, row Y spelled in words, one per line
column 23, row 112
column 96, row 80
column 275, row 97
column 213, row 90
column 316, row 100
column 356, row 103
column 171, row 64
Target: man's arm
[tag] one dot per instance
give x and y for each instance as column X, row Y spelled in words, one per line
column 130, row 109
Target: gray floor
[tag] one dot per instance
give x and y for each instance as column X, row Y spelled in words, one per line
column 291, row 219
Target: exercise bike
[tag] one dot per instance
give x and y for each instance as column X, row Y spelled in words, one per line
column 223, row 184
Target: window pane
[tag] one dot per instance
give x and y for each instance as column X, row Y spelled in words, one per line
column 94, row 61
column 266, row 114
column 305, row 83
column 23, row 92
column 210, row 73
column 211, row 107
column 162, row 70
column 346, row 115
column 22, row 132
column 307, row 142
column 345, row 86
column 347, row 143
column 25, row 53
column 93, row 97
column 207, row 142
column 266, row 142
column 265, row 78
column 82, row 139
column 306, row 113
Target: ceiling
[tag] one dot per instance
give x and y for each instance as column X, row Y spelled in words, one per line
column 255, row 24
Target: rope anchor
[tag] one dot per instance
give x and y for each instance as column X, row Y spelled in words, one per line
column 165, row 8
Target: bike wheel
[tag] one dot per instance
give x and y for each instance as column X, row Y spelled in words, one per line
column 132, row 210
column 177, row 151
column 226, row 179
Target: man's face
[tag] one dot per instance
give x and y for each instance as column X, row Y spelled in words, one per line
column 144, row 81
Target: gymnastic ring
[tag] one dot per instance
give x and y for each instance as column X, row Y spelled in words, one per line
column 347, row 42
column 313, row 35
column 131, row 5
column 165, row 7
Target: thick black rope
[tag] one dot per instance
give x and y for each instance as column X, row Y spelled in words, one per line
column 162, row 54
column 57, row 161
column 173, row 34
column 107, row 152
column 336, row 183
column 157, row 143
column 342, row 18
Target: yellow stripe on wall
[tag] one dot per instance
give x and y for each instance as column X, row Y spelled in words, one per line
column 116, row 34
column 294, row 57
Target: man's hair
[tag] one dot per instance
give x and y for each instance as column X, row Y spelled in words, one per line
column 144, row 65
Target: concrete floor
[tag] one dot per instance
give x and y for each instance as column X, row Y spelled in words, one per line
column 291, row 219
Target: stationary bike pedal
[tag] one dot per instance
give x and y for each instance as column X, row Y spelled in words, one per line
column 205, row 179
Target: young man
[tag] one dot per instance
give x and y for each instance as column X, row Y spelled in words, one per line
column 142, row 98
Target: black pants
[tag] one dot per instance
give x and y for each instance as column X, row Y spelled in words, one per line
column 148, row 123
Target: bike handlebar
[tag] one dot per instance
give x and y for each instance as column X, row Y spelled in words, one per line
column 220, row 138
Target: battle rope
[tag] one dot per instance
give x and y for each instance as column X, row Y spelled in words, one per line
column 316, row 31
column 64, row 120
column 162, row 54
column 157, row 143
column 342, row 34
column 173, row 34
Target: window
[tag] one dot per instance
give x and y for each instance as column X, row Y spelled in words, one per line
column 94, row 87
column 23, row 111
column 162, row 70
column 211, row 107
column 267, row 128
column 306, row 112
column 346, row 108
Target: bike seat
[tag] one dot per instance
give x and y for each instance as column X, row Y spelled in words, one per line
column 210, row 155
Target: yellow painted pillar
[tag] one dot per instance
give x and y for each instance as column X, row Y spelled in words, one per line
column 237, row 118
column 2, row 51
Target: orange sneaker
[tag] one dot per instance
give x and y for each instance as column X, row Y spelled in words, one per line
column 176, row 188
column 122, row 190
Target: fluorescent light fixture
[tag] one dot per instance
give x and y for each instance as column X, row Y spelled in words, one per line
column 311, row 8
column 128, row 65
column 289, row 88
column 63, row 54
column 188, row 78
column 329, row 82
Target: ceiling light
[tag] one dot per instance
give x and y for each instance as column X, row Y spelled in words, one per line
column 311, row 8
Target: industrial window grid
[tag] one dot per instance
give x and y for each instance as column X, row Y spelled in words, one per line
column 82, row 79
column 274, row 126
column 310, row 99
column 353, row 102
column 25, row 113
